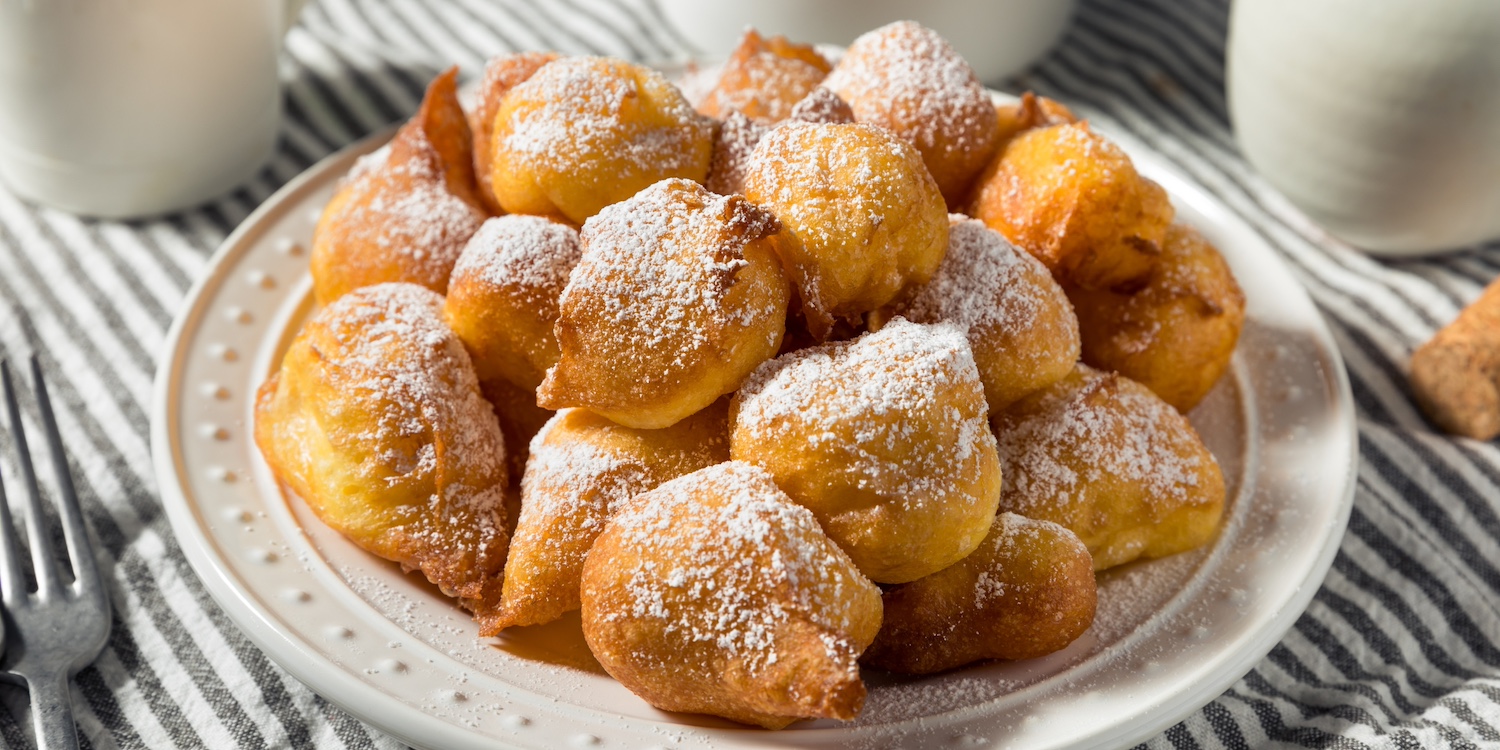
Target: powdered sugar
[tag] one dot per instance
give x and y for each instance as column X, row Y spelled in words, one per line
column 867, row 392
column 907, row 78
column 821, row 105
column 522, row 252
column 984, row 282
column 398, row 200
column 766, row 563
column 793, row 172
column 407, row 377
column 735, row 141
column 658, row 266
column 574, row 471
column 765, row 78
column 738, row 136
column 999, row 295
column 1091, row 431
column 585, row 107
column 416, row 377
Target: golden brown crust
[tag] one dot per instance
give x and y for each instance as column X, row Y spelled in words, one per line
column 1026, row 592
column 582, row 468
column 734, row 140
column 677, row 298
column 1015, row 315
column 908, row 80
column 1105, row 457
column 1177, row 334
column 1073, row 199
column 520, row 420
column 503, row 296
column 1030, row 112
column 884, row 439
column 501, row 74
column 404, row 212
column 864, row 220
column 583, row 133
column 375, row 420
column 737, row 136
column 765, row 78
column 763, row 625
column 822, row 107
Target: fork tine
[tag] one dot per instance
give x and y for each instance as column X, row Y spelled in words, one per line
column 85, row 566
column 47, row 583
column 12, row 580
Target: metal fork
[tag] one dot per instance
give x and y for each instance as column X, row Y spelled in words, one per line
column 60, row 628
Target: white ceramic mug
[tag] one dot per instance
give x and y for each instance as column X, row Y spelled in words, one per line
column 126, row 108
column 1379, row 120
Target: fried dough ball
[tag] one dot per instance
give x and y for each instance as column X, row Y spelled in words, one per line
column 503, row 296
column 822, row 107
column 734, row 141
column 679, row 295
column 738, row 135
column 1105, row 457
column 585, row 132
column 520, row 420
column 1017, row 318
column 1026, row 592
column 1031, row 112
column 864, row 220
column 884, row 438
column 582, row 468
column 376, row 421
column 501, row 74
column 764, row 78
column 1073, row 199
column 405, row 211
column 715, row 593
column 906, row 79
column 1176, row 335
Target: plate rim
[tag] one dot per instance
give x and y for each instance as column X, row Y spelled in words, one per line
column 421, row 729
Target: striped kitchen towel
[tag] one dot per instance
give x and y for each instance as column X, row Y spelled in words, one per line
column 1400, row 647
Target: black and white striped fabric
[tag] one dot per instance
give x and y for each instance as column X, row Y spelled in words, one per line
column 1400, row 648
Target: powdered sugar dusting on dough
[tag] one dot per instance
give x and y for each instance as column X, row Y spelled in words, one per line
column 906, row 77
column 522, row 252
column 1075, row 437
column 766, row 563
column 873, row 385
column 791, row 173
column 416, row 377
column 582, row 109
column 986, row 284
column 659, row 265
column 821, row 105
column 413, row 375
column 1010, row 530
column 404, row 206
column 759, row 81
column 733, row 145
column 574, row 479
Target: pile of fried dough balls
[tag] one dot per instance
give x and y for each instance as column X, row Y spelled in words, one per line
column 790, row 381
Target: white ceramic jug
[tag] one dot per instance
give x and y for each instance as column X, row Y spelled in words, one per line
column 125, row 108
column 1380, row 120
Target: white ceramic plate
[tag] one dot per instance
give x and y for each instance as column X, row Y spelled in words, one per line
column 1170, row 634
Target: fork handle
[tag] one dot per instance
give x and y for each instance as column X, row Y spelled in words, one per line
column 52, row 712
